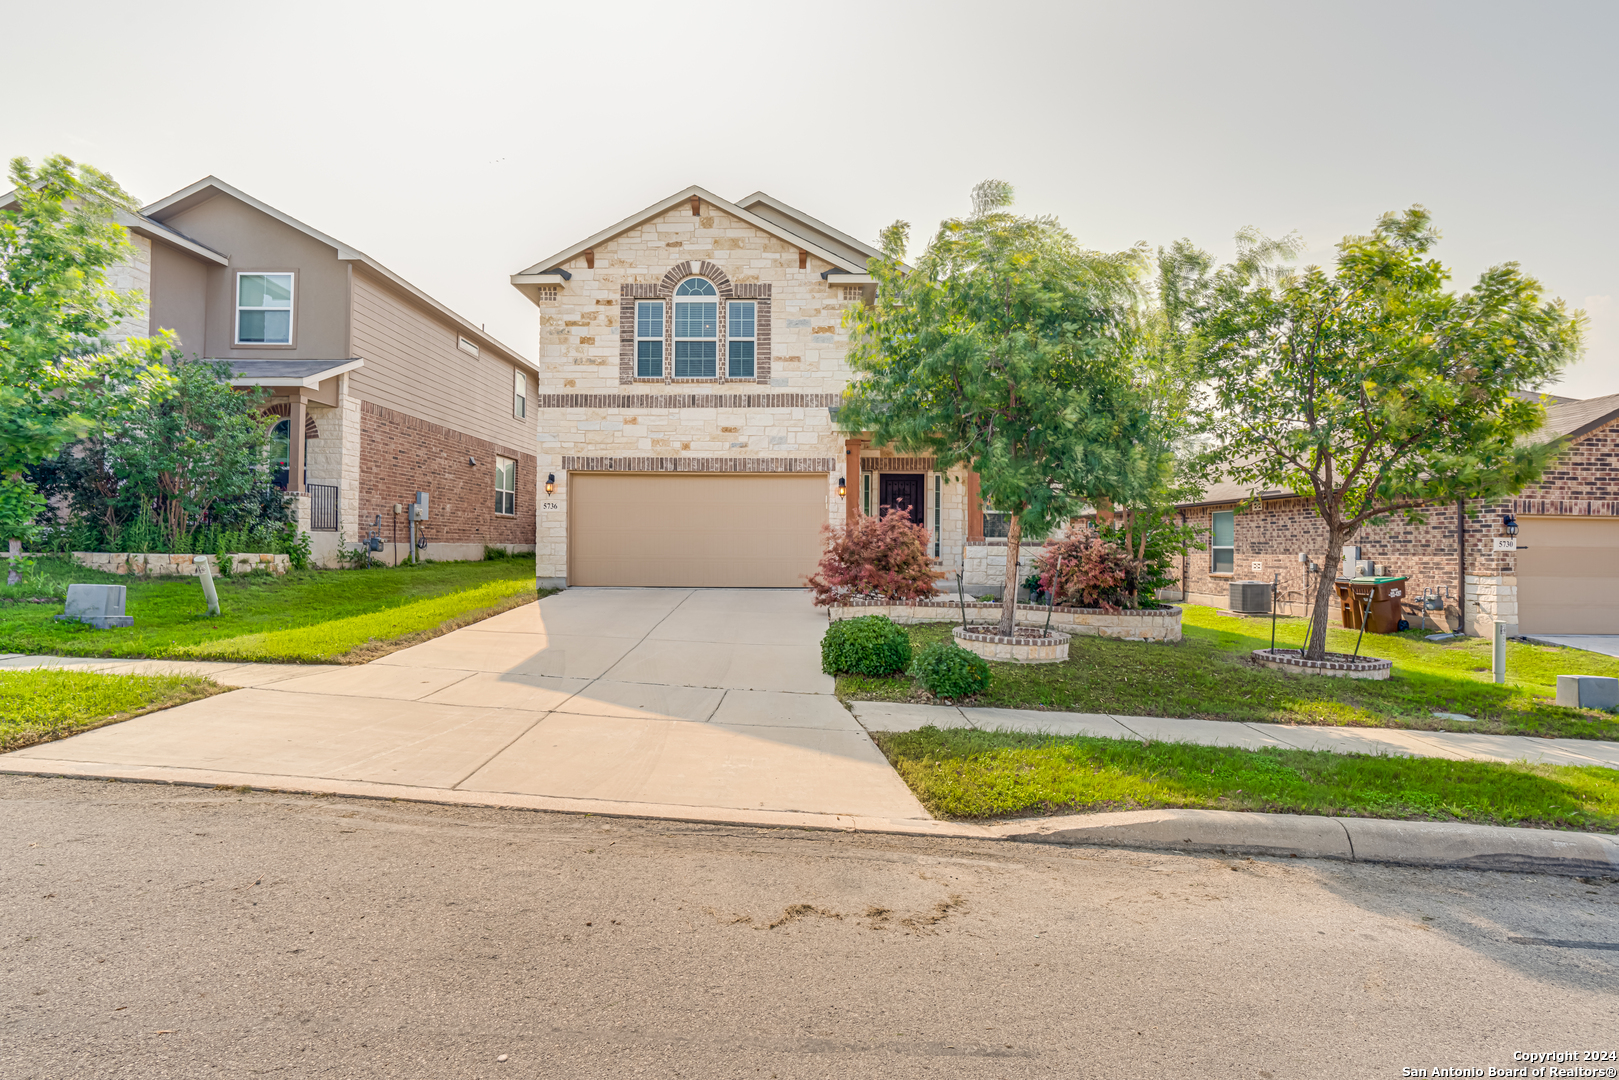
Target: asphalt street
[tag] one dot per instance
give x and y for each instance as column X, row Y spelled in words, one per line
column 155, row 931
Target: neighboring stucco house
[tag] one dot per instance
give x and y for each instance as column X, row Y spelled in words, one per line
column 385, row 392
column 1562, row 577
column 692, row 357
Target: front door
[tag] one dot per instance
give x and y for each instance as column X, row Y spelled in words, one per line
column 903, row 491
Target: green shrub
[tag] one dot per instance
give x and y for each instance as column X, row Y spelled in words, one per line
column 947, row 670
column 491, row 552
column 868, row 645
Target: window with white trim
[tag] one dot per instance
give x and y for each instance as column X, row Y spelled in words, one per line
column 649, row 340
column 741, row 319
column 263, row 309
column 696, row 330
column 505, row 486
column 519, row 394
column 1223, row 542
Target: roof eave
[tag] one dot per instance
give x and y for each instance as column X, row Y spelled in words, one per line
column 308, row 382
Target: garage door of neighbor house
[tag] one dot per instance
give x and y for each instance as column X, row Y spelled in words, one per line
column 1568, row 578
column 695, row 530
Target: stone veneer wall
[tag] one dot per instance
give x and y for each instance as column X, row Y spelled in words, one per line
column 1584, row 482
column 134, row 275
column 589, row 416
column 124, row 562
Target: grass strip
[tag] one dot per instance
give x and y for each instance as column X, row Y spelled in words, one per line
column 1208, row 675
column 969, row 774
column 303, row 616
column 52, row 703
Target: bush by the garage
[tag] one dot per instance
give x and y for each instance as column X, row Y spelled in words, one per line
column 946, row 670
column 868, row 645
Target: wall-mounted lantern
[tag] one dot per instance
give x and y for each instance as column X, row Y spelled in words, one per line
column 1509, row 523
column 550, row 483
column 843, row 488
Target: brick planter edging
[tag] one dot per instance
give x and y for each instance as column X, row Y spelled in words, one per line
column 1337, row 665
column 165, row 565
column 1129, row 624
column 1047, row 648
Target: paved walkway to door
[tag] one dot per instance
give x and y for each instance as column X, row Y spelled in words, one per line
column 613, row 699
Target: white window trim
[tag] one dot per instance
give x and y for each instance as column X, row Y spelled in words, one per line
column 519, row 394
column 501, row 465
column 668, row 313
column 1231, row 547
column 237, row 309
column 721, row 363
column 753, row 337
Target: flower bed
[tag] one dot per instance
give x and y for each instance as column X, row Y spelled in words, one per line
column 1129, row 624
column 1338, row 665
column 147, row 565
column 1027, row 645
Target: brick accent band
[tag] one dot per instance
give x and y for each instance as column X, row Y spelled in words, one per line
column 687, row 401
column 700, row 464
column 1564, row 508
column 896, row 464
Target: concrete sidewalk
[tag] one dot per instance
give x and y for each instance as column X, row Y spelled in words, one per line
column 1458, row 746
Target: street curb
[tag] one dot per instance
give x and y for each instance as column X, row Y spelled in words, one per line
column 1433, row 844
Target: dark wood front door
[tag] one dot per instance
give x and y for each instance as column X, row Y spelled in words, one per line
column 903, row 491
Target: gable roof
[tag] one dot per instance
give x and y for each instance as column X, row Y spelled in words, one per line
column 210, row 186
column 850, row 259
column 148, row 228
column 812, row 229
column 1566, row 419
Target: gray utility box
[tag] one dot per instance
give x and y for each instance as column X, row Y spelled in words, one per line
column 1250, row 597
column 1588, row 692
column 102, row 606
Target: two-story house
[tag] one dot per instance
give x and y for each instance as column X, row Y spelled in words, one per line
column 692, row 360
column 384, row 392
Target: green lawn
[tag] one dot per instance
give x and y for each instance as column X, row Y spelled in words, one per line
column 311, row 616
column 962, row 773
column 1208, row 675
column 48, row 703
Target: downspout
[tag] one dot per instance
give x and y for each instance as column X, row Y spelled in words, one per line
column 1461, row 564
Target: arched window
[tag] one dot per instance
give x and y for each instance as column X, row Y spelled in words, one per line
column 696, row 329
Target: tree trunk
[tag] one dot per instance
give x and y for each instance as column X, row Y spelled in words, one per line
column 1325, row 591
column 1014, row 535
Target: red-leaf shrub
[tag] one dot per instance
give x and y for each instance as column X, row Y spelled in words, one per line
column 882, row 558
column 1095, row 571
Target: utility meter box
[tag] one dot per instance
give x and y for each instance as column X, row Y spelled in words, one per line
column 418, row 509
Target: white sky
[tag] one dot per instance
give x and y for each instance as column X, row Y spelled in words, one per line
column 458, row 143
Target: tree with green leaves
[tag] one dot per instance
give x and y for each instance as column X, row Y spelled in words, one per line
column 59, row 374
column 1005, row 348
column 1371, row 390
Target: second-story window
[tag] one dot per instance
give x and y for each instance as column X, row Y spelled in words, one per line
column 739, row 338
column 649, row 340
column 696, row 329
column 519, row 395
column 263, row 309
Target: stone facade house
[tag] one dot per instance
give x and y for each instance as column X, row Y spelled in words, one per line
column 1559, row 575
column 692, row 357
column 383, row 391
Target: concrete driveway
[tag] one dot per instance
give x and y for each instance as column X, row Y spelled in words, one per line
column 621, row 698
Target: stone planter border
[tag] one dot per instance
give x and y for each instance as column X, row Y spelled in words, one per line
column 1130, row 624
column 1338, row 665
column 159, row 565
column 1038, row 647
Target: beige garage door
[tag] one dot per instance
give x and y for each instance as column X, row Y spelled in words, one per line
column 694, row 530
column 1568, row 578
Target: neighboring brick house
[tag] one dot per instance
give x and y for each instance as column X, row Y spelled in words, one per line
column 1563, row 577
column 384, row 391
column 692, row 357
